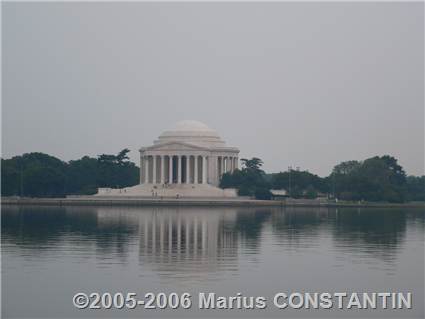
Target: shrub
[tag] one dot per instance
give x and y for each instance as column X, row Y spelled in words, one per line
column 263, row 193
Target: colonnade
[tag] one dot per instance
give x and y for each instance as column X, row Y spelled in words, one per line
column 226, row 164
column 184, row 169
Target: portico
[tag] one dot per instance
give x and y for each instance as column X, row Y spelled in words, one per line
column 182, row 169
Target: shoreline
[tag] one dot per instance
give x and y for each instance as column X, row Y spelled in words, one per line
column 201, row 202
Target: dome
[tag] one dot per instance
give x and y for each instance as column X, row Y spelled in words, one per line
column 191, row 126
column 193, row 132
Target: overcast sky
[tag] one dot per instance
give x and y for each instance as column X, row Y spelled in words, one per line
column 300, row 84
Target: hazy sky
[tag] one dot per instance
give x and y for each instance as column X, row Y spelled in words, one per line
column 300, row 84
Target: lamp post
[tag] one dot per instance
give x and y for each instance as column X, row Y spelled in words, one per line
column 21, row 181
column 21, row 178
column 289, row 170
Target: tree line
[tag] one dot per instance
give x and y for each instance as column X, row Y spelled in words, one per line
column 374, row 179
column 42, row 175
column 378, row 178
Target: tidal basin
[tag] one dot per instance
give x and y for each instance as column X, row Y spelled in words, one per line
column 51, row 253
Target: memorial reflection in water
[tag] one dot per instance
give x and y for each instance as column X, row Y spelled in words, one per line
column 193, row 237
column 187, row 240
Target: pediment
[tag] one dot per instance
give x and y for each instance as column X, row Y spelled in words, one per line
column 175, row 146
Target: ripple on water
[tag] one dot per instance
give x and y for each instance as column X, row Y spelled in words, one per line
column 192, row 249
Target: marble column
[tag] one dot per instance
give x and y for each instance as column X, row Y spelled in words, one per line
column 187, row 169
column 154, row 170
column 162, row 169
column 147, row 170
column 170, row 169
column 179, row 169
column 204, row 169
column 141, row 170
column 216, row 174
column 196, row 170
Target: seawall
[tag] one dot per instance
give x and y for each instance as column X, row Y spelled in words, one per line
column 204, row 202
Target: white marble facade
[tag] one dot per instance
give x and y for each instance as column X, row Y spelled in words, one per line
column 189, row 153
column 186, row 161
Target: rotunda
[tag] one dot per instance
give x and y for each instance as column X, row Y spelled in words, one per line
column 185, row 161
column 189, row 153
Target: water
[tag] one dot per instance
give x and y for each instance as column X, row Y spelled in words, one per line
column 51, row 253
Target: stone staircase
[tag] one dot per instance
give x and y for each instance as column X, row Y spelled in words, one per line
column 170, row 191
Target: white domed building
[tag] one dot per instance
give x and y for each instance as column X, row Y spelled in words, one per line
column 185, row 161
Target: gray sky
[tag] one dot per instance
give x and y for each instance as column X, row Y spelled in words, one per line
column 299, row 84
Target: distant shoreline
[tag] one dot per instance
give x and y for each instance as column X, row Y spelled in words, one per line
column 202, row 202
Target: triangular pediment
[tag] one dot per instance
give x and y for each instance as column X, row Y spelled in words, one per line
column 175, row 146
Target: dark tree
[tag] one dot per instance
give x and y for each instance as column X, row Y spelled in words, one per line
column 416, row 188
column 41, row 175
column 301, row 182
column 249, row 181
column 33, row 174
column 253, row 164
column 122, row 157
column 375, row 179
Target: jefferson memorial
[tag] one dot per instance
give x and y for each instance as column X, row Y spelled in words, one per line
column 185, row 161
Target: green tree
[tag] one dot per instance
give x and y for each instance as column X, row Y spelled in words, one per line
column 262, row 193
column 416, row 188
column 254, row 164
column 247, row 180
column 33, row 174
column 82, row 176
column 375, row 179
column 346, row 168
column 300, row 181
column 310, row 192
column 116, row 170
column 122, row 157
column 42, row 175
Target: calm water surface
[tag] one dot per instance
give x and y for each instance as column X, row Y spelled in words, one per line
column 51, row 253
